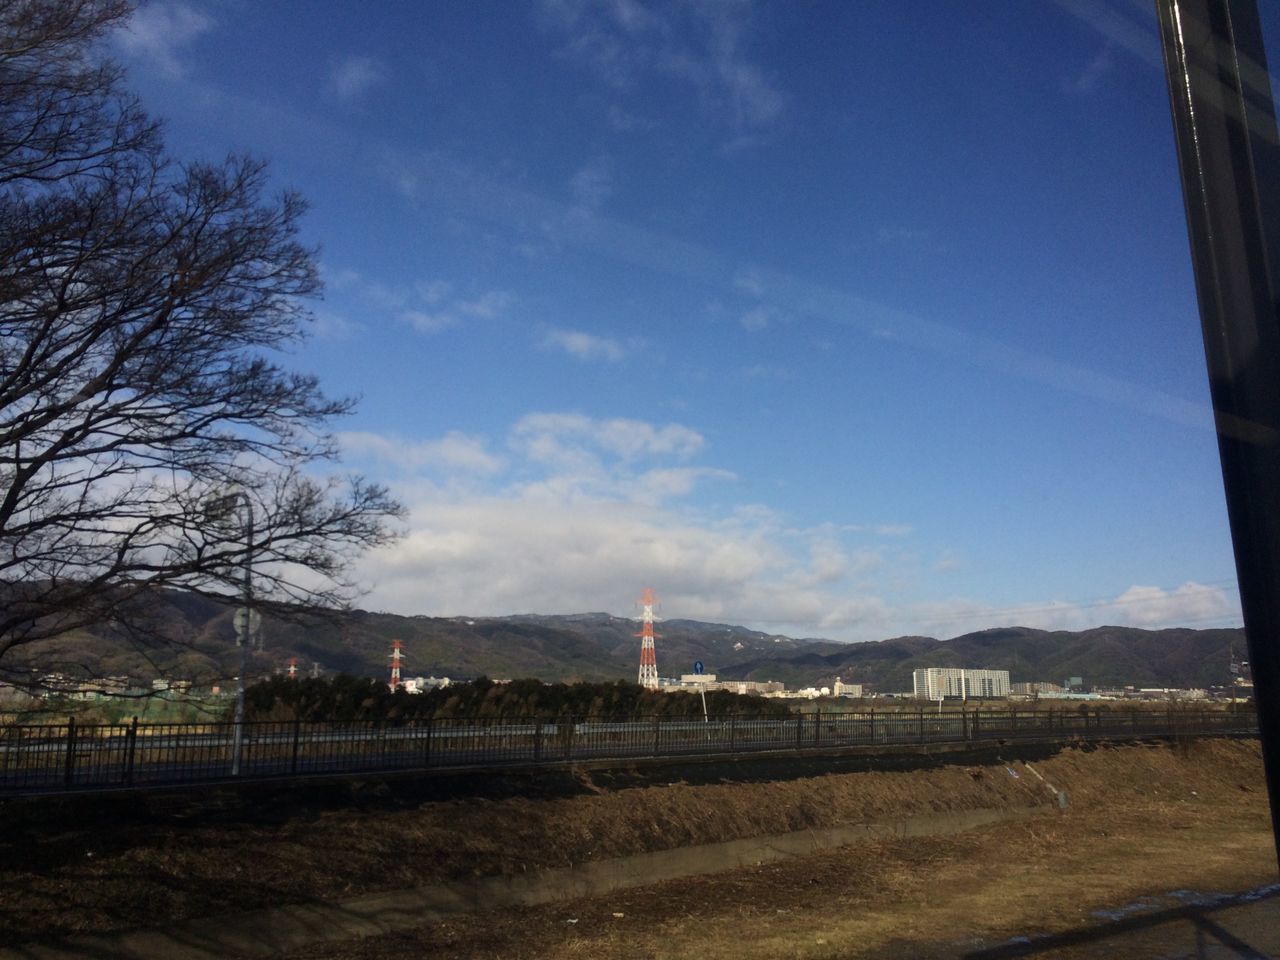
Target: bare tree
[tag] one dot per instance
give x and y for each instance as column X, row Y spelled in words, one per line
column 140, row 302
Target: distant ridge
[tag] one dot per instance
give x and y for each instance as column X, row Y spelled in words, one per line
column 1103, row 656
column 191, row 637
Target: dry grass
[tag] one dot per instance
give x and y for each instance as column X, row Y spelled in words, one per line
column 1129, row 805
column 1143, row 821
column 176, row 869
column 918, row 898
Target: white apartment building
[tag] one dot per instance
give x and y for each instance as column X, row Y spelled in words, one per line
column 937, row 683
column 842, row 689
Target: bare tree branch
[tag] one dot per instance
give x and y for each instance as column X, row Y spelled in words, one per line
column 140, row 303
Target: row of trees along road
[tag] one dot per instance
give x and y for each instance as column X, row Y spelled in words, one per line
column 347, row 699
column 143, row 302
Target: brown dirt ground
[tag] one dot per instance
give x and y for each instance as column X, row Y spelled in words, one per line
column 924, row 898
column 1142, row 819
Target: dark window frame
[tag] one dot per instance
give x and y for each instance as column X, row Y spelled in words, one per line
column 1229, row 158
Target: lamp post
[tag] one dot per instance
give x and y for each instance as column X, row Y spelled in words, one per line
column 217, row 508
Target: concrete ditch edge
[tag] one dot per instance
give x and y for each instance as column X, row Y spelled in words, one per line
column 273, row 930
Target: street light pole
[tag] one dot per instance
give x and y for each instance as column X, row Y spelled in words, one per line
column 245, row 634
column 217, row 508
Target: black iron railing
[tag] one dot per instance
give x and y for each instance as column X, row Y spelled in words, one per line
column 72, row 756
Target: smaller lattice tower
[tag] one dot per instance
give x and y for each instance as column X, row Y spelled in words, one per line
column 395, row 666
column 648, row 656
column 293, row 668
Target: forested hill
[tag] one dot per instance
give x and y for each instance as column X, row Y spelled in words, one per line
column 1103, row 656
column 192, row 637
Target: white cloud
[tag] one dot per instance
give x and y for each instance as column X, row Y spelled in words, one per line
column 505, row 555
column 1192, row 604
column 755, row 319
column 749, row 282
column 338, row 278
column 584, row 346
column 656, row 486
column 704, row 46
column 433, row 291
column 332, row 326
column 508, row 553
column 487, row 305
column 453, row 451
column 625, row 121
column 948, row 561
column 540, row 433
column 576, row 513
column 591, row 185
column 157, row 32
column 1153, row 607
column 425, row 322
column 443, row 311
column 828, row 561
column 387, row 297
column 580, row 513
column 633, row 16
column 722, row 73
column 428, row 305
column 356, row 76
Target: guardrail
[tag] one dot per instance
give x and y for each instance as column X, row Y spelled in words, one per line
column 78, row 757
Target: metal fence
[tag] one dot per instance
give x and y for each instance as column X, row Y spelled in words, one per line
column 71, row 756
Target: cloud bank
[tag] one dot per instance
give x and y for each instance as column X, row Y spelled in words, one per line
column 569, row 513
column 158, row 33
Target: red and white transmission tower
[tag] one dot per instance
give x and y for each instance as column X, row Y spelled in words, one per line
column 648, row 656
column 395, row 665
column 293, row 668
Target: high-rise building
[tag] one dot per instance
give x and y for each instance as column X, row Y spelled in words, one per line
column 938, row 683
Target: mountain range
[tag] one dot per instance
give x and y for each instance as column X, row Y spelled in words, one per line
column 187, row 636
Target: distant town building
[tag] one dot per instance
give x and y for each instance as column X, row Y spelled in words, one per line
column 761, row 687
column 697, row 680
column 1169, row 693
column 808, row 693
column 61, row 685
column 1040, row 688
column 423, row 684
column 938, row 683
column 708, row 681
column 842, row 689
column 1153, row 693
column 1058, row 694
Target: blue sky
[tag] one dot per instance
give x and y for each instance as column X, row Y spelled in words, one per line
column 841, row 320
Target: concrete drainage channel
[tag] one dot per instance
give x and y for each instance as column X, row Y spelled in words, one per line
column 262, row 933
